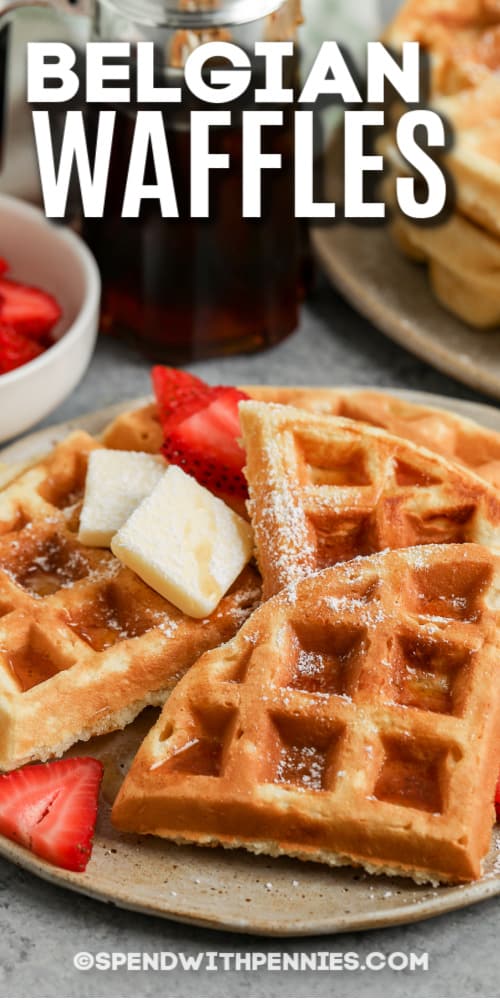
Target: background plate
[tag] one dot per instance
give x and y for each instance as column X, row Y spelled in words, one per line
column 395, row 294
column 234, row 890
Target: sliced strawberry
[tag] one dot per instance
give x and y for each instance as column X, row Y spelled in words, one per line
column 29, row 310
column 179, row 394
column 52, row 809
column 16, row 349
column 497, row 800
column 205, row 444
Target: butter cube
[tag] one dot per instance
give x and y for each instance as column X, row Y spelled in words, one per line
column 117, row 482
column 185, row 543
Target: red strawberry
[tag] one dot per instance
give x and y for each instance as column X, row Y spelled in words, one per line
column 28, row 310
column 16, row 349
column 205, row 444
column 497, row 800
column 52, row 809
column 3, row 266
column 179, row 394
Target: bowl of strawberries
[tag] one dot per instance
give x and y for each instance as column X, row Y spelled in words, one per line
column 49, row 314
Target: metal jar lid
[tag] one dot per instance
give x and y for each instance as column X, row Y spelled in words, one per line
column 196, row 15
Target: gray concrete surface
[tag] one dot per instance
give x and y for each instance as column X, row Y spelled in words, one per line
column 42, row 927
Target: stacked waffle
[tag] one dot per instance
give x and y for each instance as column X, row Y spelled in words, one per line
column 462, row 38
column 355, row 716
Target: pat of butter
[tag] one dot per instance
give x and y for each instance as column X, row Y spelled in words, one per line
column 185, row 543
column 116, row 483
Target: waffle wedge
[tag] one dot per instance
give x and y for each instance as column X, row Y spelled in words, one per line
column 355, row 718
column 463, row 250
column 443, row 432
column 84, row 644
column 464, row 265
column 324, row 490
column 474, row 157
column 462, row 37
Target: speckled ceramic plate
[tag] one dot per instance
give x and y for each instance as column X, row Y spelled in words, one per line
column 234, row 890
column 395, row 294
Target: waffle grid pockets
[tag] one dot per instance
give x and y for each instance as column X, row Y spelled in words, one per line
column 324, row 490
column 353, row 719
column 84, row 644
column 445, row 433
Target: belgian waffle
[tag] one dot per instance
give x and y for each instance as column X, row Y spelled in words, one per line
column 324, row 490
column 84, row 644
column 463, row 252
column 464, row 265
column 463, row 37
column 445, row 433
column 474, row 157
column 353, row 719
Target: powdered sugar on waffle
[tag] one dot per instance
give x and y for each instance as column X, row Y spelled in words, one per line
column 372, row 613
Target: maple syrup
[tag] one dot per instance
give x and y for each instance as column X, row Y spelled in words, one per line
column 184, row 288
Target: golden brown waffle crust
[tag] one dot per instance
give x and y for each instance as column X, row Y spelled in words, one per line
column 463, row 257
column 273, row 850
column 462, row 41
column 31, row 729
column 461, row 35
column 324, row 490
column 457, row 438
column 378, row 769
column 85, row 645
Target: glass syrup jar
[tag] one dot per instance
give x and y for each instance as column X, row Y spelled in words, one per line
column 184, row 288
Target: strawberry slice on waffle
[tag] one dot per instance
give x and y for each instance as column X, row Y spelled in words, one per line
column 202, row 430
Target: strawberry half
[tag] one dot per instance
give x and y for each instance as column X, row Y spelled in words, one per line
column 52, row 809
column 29, row 310
column 16, row 349
column 179, row 394
column 205, row 444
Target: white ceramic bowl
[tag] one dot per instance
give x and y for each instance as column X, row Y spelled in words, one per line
column 54, row 259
